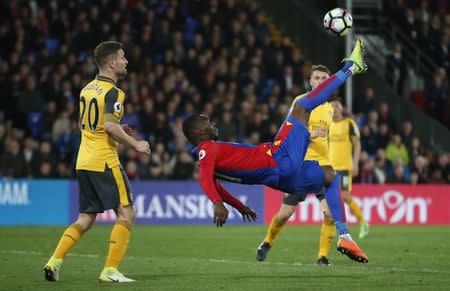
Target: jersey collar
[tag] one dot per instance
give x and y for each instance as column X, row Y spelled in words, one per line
column 106, row 79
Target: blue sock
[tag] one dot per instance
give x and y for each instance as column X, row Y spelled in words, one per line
column 336, row 206
column 324, row 91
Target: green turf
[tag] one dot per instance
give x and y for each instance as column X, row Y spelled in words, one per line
column 207, row 258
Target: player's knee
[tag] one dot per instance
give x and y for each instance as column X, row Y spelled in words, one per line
column 126, row 213
column 285, row 213
column 327, row 218
column 330, row 174
column 346, row 196
column 86, row 221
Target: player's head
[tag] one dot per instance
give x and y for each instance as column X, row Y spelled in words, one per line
column 198, row 128
column 319, row 73
column 337, row 106
column 109, row 57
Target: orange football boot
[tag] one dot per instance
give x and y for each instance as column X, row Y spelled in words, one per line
column 351, row 249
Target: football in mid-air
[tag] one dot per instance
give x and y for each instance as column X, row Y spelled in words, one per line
column 338, row 22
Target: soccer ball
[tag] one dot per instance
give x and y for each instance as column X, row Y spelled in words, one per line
column 338, row 22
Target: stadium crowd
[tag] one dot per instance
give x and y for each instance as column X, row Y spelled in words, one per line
column 215, row 57
column 427, row 24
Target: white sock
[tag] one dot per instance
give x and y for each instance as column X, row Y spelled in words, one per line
column 346, row 236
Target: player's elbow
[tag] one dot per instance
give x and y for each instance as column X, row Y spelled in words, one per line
column 108, row 127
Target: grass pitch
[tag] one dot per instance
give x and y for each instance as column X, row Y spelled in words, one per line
column 207, row 258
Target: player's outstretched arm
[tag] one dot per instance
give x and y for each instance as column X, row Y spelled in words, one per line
column 247, row 213
column 115, row 131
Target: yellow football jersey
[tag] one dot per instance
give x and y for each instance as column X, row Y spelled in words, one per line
column 320, row 117
column 100, row 101
column 341, row 146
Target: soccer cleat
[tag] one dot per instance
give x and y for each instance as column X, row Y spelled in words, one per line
column 112, row 275
column 363, row 230
column 323, row 261
column 357, row 57
column 262, row 251
column 51, row 269
column 351, row 249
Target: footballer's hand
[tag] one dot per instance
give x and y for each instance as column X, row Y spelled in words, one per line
column 320, row 132
column 248, row 215
column 355, row 170
column 220, row 214
column 143, row 147
column 128, row 130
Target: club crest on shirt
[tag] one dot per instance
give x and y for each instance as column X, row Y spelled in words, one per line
column 201, row 154
column 118, row 107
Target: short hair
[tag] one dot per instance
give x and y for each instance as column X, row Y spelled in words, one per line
column 105, row 50
column 320, row 68
column 189, row 125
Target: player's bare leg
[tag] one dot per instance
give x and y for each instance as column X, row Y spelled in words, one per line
column 69, row 238
column 118, row 245
column 277, row 223
column 327, row 232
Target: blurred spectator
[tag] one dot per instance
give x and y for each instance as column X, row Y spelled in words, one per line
column 421, row 169
column 436, row 94
column 415, row 148
column 367, row 102
column 384, row 116
column 397, row 68
column 45, row 171
column 381, row 167
column 12, row 161
column 132, row 170
column 382, row 136
column 372, row 121
column 30, row 100
column 368, row 140
column 45, row 155
column 28, row 150
column 398, row 177
column 62, row 171
column 414, row 178
column 396, row 149
column 227, row 128
column 406, row 133
column 184, row 167
column 443, row 166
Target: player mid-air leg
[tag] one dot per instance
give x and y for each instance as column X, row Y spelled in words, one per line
column 353, row 65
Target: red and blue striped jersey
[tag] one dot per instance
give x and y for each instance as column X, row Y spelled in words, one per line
column 239, row 163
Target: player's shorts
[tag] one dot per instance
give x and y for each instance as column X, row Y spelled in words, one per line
column 100, row 191
column 297, row 176
column 293, row 200
column 345, row 178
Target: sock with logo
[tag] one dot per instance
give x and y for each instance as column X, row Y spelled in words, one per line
column 326, row 237
column 70, row 237
column 336, row 206
column 356, row 211
column 118, row 243
column 274, row 229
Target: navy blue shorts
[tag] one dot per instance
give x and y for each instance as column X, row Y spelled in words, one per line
column 297, row 176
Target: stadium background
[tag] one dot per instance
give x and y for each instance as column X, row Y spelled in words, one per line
column 236, row 61
column 242, row 63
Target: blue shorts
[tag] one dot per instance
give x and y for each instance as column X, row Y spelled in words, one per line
column 297, row 176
